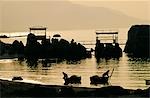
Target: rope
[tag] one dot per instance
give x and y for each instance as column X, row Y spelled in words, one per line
column 111, row 73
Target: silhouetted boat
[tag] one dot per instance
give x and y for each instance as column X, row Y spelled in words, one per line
column 17, row 78
column 4, row 36
column 147, row 82
column 56, row 35
column 74, row 79
column 101, row 80
column 98, row 80
column 107, row 45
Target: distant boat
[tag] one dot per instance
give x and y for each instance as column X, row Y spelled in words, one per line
column 56, row 35
column 147, row 82
column 4, row 36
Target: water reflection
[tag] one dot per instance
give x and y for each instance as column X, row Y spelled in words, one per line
column 74, row 62
column 128, row 72
column 101, row 60
column 140, row 70
column 32, row 62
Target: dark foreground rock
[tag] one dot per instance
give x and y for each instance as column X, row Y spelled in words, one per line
column 21, row 89
column 138, row 43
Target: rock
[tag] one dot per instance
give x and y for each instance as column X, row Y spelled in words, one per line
column 110, row 91
column 137, row 44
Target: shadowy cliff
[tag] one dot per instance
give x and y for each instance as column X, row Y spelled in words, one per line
column 138, row 41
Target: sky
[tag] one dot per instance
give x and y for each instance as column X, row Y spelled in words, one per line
column 135, row 8
column 17, row 15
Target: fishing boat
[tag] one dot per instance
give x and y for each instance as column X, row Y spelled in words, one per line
column 4, row 36
column 147, row 82
column 107, row 45
column 98, row 80
column 101, row 80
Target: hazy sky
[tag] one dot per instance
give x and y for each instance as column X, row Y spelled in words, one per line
column 14, row 14
column 135, row 8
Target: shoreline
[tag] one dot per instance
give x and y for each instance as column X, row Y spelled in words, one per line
column 23, row 89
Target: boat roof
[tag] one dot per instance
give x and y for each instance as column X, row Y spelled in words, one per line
column 38, row 28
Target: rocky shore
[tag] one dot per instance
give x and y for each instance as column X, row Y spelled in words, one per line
column 23, row 89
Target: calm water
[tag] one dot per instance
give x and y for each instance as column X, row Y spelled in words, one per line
column 128, row 73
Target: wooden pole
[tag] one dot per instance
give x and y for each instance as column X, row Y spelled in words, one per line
column 111, row 73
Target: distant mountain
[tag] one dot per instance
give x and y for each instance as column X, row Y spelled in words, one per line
column 60, row 15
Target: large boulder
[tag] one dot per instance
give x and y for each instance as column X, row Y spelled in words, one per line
column 138, row 41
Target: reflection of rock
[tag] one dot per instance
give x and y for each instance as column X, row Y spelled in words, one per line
column 32, row 61
column 138, row 41
column 2, row 45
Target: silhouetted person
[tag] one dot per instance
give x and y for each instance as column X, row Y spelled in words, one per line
column 106, row 74
column 72, row 41
column 117, row 51
column 99, row 49
column 73, row 79
column 65, row 75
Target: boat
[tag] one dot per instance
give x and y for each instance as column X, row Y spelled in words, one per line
column 101, row 80
column 98, row 80
column 17, row 78
column 107, row 45
column 147, row 82
column 4, row 36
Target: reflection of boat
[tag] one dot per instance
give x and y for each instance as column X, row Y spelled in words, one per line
column 4, row 36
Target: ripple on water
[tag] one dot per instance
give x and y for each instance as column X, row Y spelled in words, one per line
column 127, row 73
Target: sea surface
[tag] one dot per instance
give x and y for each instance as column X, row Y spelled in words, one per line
column 128, row 72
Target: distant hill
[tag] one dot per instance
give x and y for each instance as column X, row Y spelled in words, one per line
column 61, row 15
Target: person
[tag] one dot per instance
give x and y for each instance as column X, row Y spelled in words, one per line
column 106, row 74
column 65, row 75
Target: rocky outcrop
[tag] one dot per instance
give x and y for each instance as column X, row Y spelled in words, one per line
column 138, row 42
column 14, row 50
column 54, row 49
